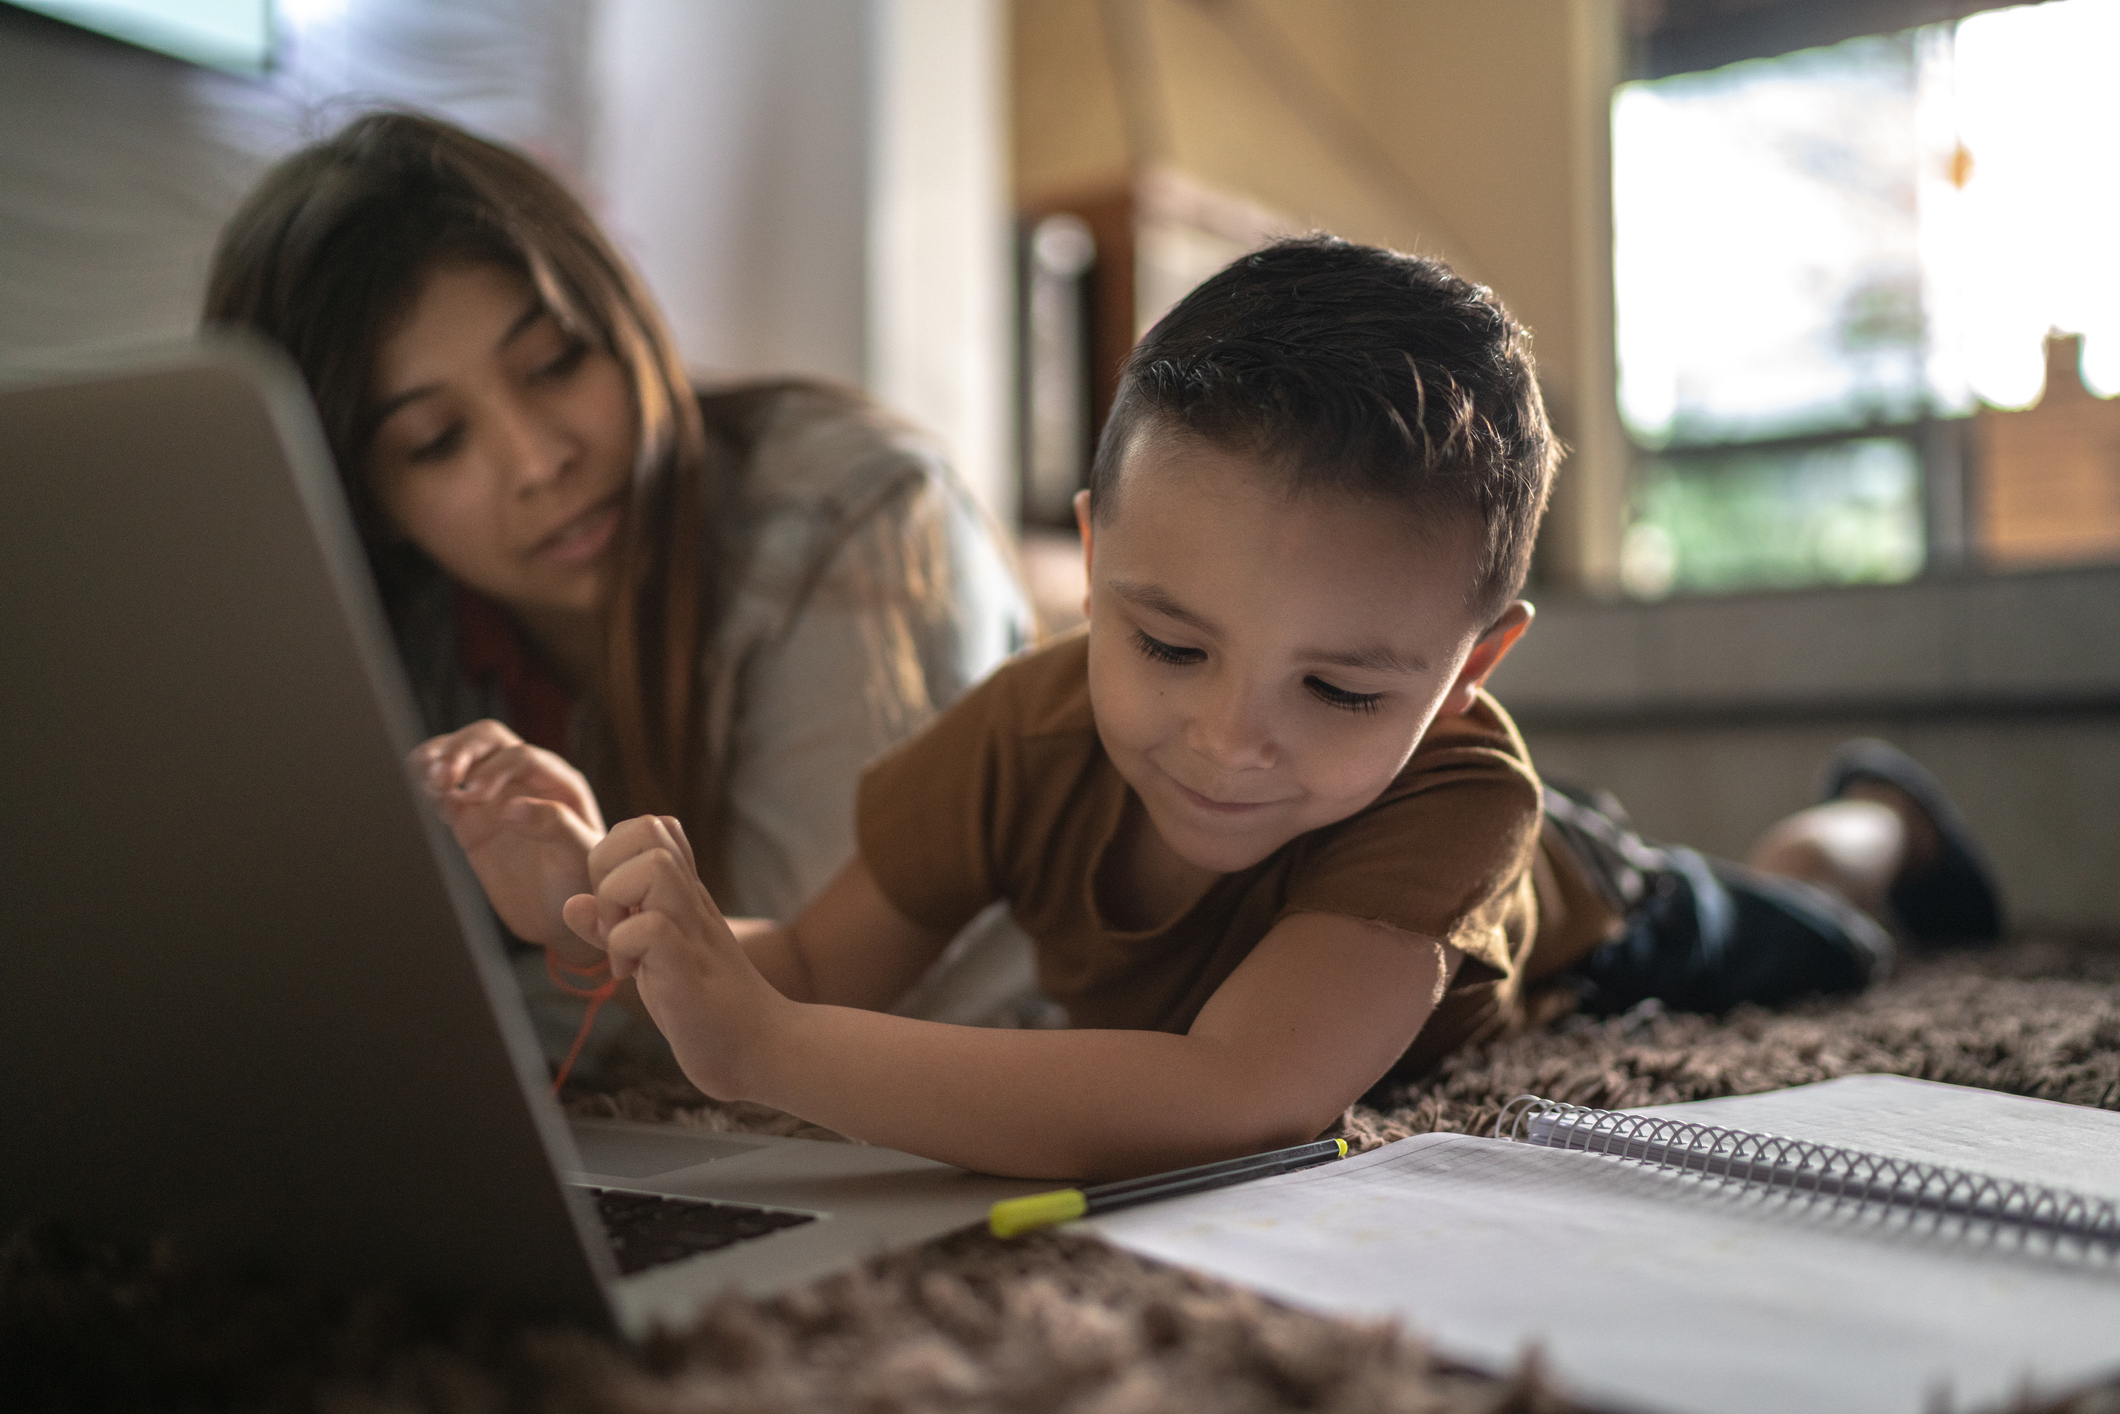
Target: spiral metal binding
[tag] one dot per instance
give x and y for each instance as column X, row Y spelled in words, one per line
column 1799, row 1168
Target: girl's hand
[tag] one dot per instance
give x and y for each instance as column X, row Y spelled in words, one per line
column 659, row 925
column 525, row 819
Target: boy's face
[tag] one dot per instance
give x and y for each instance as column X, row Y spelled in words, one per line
column 1259, row 666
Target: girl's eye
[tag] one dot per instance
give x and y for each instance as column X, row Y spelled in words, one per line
column 1340, row 697
column 1157, row 651
column 440, row 447
column 570, row 358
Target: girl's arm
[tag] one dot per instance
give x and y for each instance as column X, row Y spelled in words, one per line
column 1320, row 1009
column 838, row 950
column 526, row 820
column 911, row 603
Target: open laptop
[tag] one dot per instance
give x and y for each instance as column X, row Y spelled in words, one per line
column 254, row 997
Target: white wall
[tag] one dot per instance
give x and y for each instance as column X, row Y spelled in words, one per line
column 727, row 158
column 114, row 176
column 940, row 253
column 821, row 188
column 812, row 187
column 118, row 166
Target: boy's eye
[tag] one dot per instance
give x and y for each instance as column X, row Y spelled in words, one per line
column 1340, row 697
column 1156, row 650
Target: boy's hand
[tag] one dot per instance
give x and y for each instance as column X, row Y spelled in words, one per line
column 659, row 925
column 525, row 819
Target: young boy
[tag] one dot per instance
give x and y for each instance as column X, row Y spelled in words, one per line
column 1270, row 837
column 1263, row 825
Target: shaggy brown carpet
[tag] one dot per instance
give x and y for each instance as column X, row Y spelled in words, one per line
column 1055, row 1323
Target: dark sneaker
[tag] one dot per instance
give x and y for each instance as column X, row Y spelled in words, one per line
column 1953, row 899
column 1712, row 934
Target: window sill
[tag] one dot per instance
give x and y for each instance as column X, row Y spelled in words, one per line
column 2028, row 644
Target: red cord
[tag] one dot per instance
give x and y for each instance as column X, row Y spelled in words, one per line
column 595, row 995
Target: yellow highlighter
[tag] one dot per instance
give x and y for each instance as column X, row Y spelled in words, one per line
column 1021, row 1215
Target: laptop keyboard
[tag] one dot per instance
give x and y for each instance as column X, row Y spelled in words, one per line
column 646, row 1231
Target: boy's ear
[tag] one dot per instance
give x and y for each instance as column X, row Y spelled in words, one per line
column 1082, row 523
column 1486, row 656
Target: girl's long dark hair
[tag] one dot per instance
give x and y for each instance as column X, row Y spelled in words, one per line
column 329, row 252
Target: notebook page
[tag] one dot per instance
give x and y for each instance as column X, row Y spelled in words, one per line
column 2006, row 1136
column 1644, row 1290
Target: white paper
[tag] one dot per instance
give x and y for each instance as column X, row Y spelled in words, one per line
column 1651, row 1291
column 2005, row 1136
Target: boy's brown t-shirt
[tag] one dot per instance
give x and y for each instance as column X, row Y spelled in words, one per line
column 1009, row 795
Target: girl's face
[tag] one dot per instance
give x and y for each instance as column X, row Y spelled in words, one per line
column 506, row 444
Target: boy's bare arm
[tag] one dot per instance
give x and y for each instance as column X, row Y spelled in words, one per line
column 838, row 951
column 1320, row 1009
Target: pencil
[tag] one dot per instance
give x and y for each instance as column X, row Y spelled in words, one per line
column 1021, row 1215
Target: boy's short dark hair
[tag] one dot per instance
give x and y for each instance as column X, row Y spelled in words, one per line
column 1353, row 369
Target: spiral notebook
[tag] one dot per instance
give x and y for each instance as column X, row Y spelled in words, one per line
column 1871, row 1243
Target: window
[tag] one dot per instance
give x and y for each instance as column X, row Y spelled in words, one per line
column 1842, row 276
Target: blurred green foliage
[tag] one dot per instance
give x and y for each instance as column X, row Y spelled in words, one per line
column 1775, row 518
